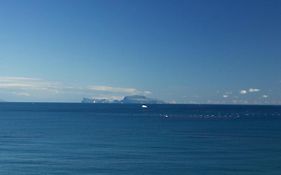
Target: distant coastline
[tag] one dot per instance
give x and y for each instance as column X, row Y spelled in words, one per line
column 134, row 99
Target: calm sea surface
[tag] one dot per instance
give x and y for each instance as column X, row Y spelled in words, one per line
column 118, row 139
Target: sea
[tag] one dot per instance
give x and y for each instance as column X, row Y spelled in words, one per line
column 129, row 139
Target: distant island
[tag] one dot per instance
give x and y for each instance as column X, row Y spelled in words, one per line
column 134, row 99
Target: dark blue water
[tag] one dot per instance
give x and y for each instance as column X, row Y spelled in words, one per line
column 130, row 140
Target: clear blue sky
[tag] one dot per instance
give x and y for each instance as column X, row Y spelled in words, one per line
column 187, row 51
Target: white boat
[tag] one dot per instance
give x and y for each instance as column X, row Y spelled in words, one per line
column 144, row 106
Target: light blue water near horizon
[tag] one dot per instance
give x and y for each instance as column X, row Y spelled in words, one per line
column 57, row 138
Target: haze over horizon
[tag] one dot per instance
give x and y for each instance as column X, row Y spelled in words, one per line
column 195, row 51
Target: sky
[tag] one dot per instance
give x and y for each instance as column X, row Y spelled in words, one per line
column 180, row 51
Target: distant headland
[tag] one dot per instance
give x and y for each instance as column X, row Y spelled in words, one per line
column 134, row 99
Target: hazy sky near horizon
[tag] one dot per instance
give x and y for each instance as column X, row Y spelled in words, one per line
column 185, row 51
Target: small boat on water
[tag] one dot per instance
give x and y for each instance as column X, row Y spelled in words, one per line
column 144, row 106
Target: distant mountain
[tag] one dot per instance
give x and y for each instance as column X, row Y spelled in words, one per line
column 95, row 100
column 134, row 99
column 139, row 99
